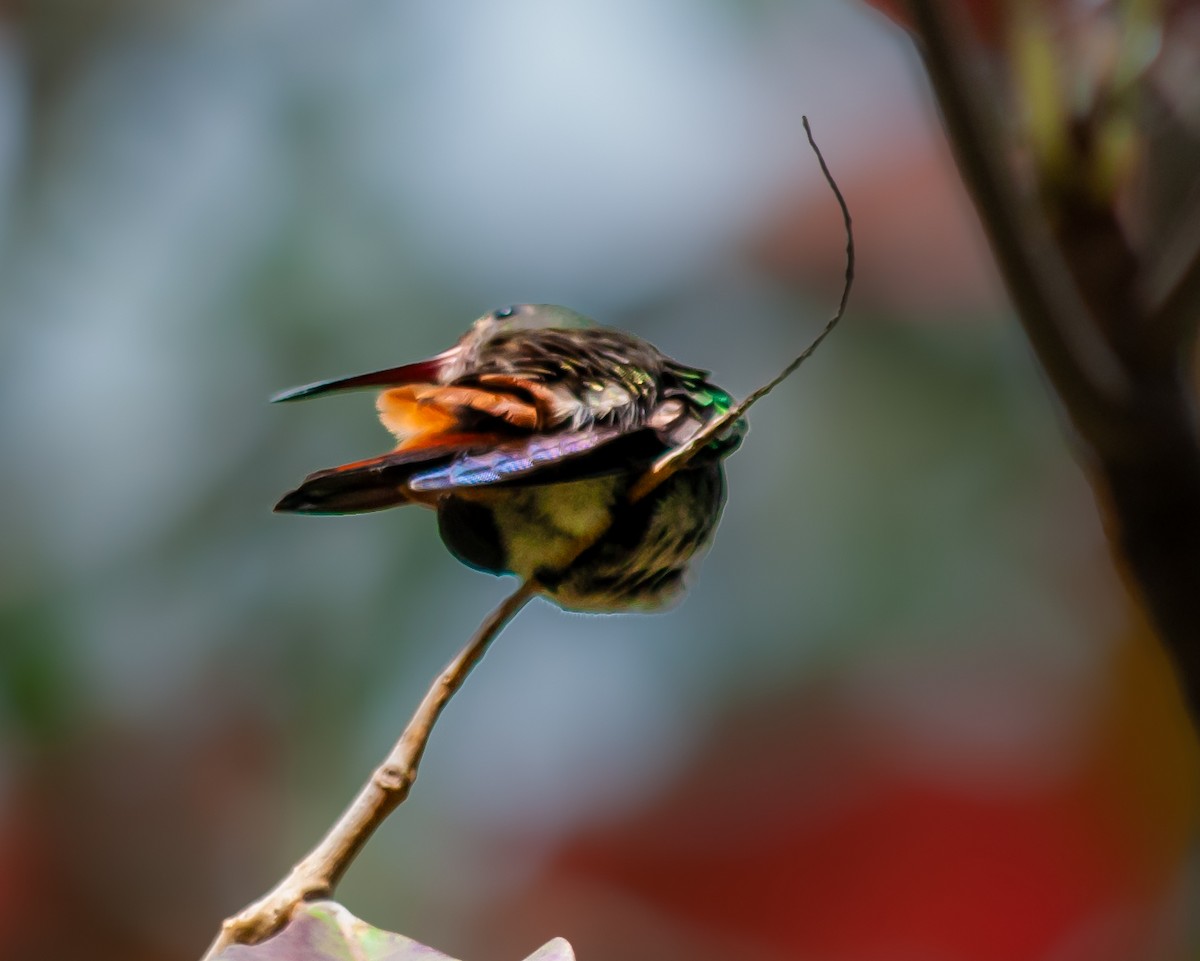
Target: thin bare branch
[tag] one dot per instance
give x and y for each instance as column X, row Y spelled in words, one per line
column 319, row 872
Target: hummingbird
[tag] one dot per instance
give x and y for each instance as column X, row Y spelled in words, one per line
column 525, row 437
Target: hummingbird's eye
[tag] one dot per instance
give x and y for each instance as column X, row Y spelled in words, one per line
column 504, row 313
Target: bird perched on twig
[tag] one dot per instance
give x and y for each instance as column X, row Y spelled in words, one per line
column 526, row 437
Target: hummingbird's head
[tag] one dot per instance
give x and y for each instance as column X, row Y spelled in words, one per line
column 490, row 330
column 507, row 320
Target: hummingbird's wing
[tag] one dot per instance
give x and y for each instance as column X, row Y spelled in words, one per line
column 463, row 461
column 543, row 459
column 372, row 484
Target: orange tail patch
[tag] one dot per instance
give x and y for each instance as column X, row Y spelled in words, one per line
column 421, row 415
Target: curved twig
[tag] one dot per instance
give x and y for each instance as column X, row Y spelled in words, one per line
column 678, row 458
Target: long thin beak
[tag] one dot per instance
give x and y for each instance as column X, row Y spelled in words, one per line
column 425, row 371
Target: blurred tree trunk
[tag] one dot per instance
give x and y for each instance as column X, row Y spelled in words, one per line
column 1077, row 131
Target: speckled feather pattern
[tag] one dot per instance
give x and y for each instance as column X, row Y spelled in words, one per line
column 601, row 375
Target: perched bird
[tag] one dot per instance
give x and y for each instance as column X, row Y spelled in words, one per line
column 525, row 437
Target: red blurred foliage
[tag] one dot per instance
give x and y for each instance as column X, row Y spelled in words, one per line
column 802, row 834
column 125, row 843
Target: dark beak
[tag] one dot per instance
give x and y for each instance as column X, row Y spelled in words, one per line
column 425, row 371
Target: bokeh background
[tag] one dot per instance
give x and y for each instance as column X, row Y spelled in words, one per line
column 907, row 712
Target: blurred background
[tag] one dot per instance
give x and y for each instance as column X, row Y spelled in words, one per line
column 907, row 712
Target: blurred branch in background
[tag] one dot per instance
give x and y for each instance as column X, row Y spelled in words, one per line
column 1046, row 108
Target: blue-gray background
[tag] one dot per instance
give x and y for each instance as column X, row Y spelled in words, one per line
column 203, row 203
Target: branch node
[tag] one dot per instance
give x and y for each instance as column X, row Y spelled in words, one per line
column 393, row 779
